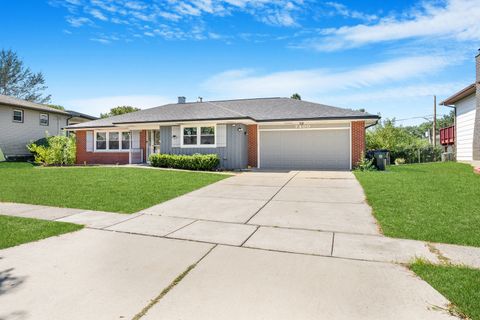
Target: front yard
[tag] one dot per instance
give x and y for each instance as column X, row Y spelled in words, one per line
column 461, row 285
column 15, row 230
column 113, row 189
column 437, row 202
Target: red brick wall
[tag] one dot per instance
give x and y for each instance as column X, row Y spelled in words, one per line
column 143, row 144
column 84, row 157
column 358, row 141
column 252, row 145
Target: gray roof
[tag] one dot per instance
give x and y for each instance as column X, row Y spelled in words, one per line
column 11, row 101
column 81, row 115
column 259, row 110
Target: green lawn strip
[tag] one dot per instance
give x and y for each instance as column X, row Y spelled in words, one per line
column 460, row 285
column 16, row 230
column 436, row 202
column 124, row 190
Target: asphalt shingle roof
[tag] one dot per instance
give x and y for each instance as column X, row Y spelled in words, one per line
column 11, row 101
column 264, row 109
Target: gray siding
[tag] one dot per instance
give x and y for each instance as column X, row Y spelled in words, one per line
column 233, row 156
column 15, row 136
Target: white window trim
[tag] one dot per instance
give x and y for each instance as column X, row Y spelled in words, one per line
column 108, row 140
column 23, row 116
column 40, row 119
column 198, row 145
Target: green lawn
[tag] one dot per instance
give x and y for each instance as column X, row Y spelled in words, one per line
column 460, row 285
column 112, row 189
column 438, row 202
column 15, row 230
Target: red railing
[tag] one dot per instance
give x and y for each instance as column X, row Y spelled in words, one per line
column 447, row 135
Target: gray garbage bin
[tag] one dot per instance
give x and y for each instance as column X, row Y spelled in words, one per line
column 381, row 159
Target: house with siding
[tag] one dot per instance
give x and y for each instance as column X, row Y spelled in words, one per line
column 23, row 121
column 267, row 133
column 466, row 103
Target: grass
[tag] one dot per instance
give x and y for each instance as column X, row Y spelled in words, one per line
column 460, row 285
column 438, row 202
column 16, row 230
column 124, row 190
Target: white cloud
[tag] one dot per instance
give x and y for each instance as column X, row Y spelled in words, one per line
column 453, row 19
column 95, row 106
column 176, row 15
column 78, row 21
column 97, row 14
column 248, row 83
column 342, row 10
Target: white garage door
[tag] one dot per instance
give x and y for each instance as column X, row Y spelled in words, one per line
column 305, row 149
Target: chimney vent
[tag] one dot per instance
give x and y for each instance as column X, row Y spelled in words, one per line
column 182, row 100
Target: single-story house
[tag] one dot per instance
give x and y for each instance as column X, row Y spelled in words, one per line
column 269, row 133
column 467, row 119
column 23, row 121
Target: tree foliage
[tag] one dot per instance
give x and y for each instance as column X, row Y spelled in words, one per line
column 401, row 142
column 419, row 131
column 296, row 96
column 118, row 111
column 19, row 81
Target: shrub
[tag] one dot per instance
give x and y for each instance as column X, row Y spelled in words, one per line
column 56, row 150
column 399, row 161
column 365, row 164
column 204, row 162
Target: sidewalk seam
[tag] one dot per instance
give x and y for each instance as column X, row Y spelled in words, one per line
column 167, row 289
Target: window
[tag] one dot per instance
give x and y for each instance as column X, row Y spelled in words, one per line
column 190, row 136
column 125, row 140
column 17, row 115
column 44, row 119
column 101, row 141
column 198, row 136
column 207, row 135
column 113, row 143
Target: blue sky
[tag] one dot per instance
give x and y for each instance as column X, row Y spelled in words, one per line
column 388, row 57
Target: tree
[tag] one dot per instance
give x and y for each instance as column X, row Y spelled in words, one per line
column 296, row 96
column 19, row 81
column 118, row 111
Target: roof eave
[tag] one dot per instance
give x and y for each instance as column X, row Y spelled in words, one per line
column 465, row 92
column 360, row 117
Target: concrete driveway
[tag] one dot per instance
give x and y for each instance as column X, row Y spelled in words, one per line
column 261, row 245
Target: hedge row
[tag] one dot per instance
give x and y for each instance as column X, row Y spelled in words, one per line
column 203, row 162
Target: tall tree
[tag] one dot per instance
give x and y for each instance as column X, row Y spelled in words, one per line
column 19, row 81
column 118, row 111
column 296, row 96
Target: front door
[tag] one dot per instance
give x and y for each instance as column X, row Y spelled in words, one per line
column 153, row 143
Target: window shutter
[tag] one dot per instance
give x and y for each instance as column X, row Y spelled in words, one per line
column 89, row 142
column 221, row 135
column 135, row 139
column 176, row 136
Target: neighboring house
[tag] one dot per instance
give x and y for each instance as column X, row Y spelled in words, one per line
column 23, row 121
column 77, row 117
column 267, row 133
column 467, row 119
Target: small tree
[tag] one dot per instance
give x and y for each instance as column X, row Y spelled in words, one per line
column 296, row 96
column 19, row 81
column 118, row 111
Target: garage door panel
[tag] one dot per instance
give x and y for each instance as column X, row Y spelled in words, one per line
column 305, row 149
